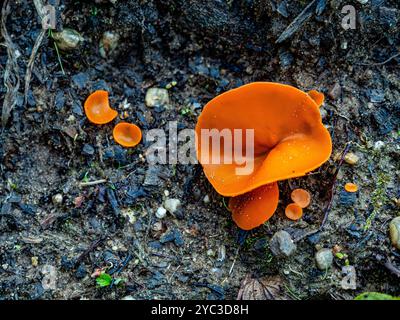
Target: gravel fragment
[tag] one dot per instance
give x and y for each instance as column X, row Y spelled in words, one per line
column 349, row 281
column 324, row 258
column 394, row 228
column 172, row 205
column 161, row 213
column 351, row 158
column 281, row 244
column 156, row 97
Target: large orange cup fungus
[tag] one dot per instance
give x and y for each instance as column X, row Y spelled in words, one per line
column 127, row 134
column 97, row 108
column 289, row 141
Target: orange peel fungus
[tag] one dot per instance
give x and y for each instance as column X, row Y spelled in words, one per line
column 301, row 197
column 127, row 134
column 293, row 211
column 289, row 141
column 351, row 187
column 97, row 108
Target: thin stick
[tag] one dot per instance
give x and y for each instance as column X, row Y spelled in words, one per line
column 381, row 63
column 92, row 183
column 328, row 207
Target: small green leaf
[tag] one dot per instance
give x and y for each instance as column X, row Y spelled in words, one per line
column 375, row 296
column 104, row 280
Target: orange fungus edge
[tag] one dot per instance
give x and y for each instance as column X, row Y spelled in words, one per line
column 253, row 208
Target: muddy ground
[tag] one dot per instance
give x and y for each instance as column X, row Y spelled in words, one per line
column 50, row 246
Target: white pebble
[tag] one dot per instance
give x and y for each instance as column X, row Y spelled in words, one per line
column 156, row 97
column 161, row 213
column 172, row 205
column 166, row 193
column 57, row 199
column 379, row 145
column 206, row 199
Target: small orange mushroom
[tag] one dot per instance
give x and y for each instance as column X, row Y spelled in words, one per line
column 127, row 134
column 97, row 108
column 289, row 141
column 351, row 187
column 301, row 197
column 293, row 211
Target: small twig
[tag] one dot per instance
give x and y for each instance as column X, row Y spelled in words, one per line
column 297, row 22
column 91, row 247
column 328, row 207
column 11, row 73
column 392, row 268
column 381, row 63
column 92, row 183
column 57, row 51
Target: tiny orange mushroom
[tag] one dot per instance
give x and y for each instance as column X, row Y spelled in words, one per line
column 97, row 108
column 301, row 197
column 293, row 211
column 289, row 141
column 351, row 187
column 127, row 134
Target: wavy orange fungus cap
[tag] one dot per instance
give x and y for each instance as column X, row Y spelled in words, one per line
column 293, row 211
column 301, row 197
column 289, row 138
column 97, row 108
column 127, row 134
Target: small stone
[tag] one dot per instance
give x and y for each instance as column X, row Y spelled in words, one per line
column 376, row 95
column 206, row 199
column 221, row 253
column 282, row 9
column 349, row 281
column 156, row 97
column 151, row 177
column 379, row 145
column 161, row 213
column 80, row 80
column 324, row 258
column 88, row 150
column 167, row 237
column 335, row 91
column 57, row 199
column 68, row 39
column 49, row 281
column 389, row 17
column 285, row 59
column 179, row 242
column 166, row 193
column 81, row 272
column 35, row 261
column 128, row 298
column 351, row 158
column 108, row 43
column 157, row 226
column 210, row 253
column 394, row 228
column 281, row 244
column 172, row 205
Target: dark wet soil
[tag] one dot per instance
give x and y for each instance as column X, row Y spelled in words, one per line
column 49, row 249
